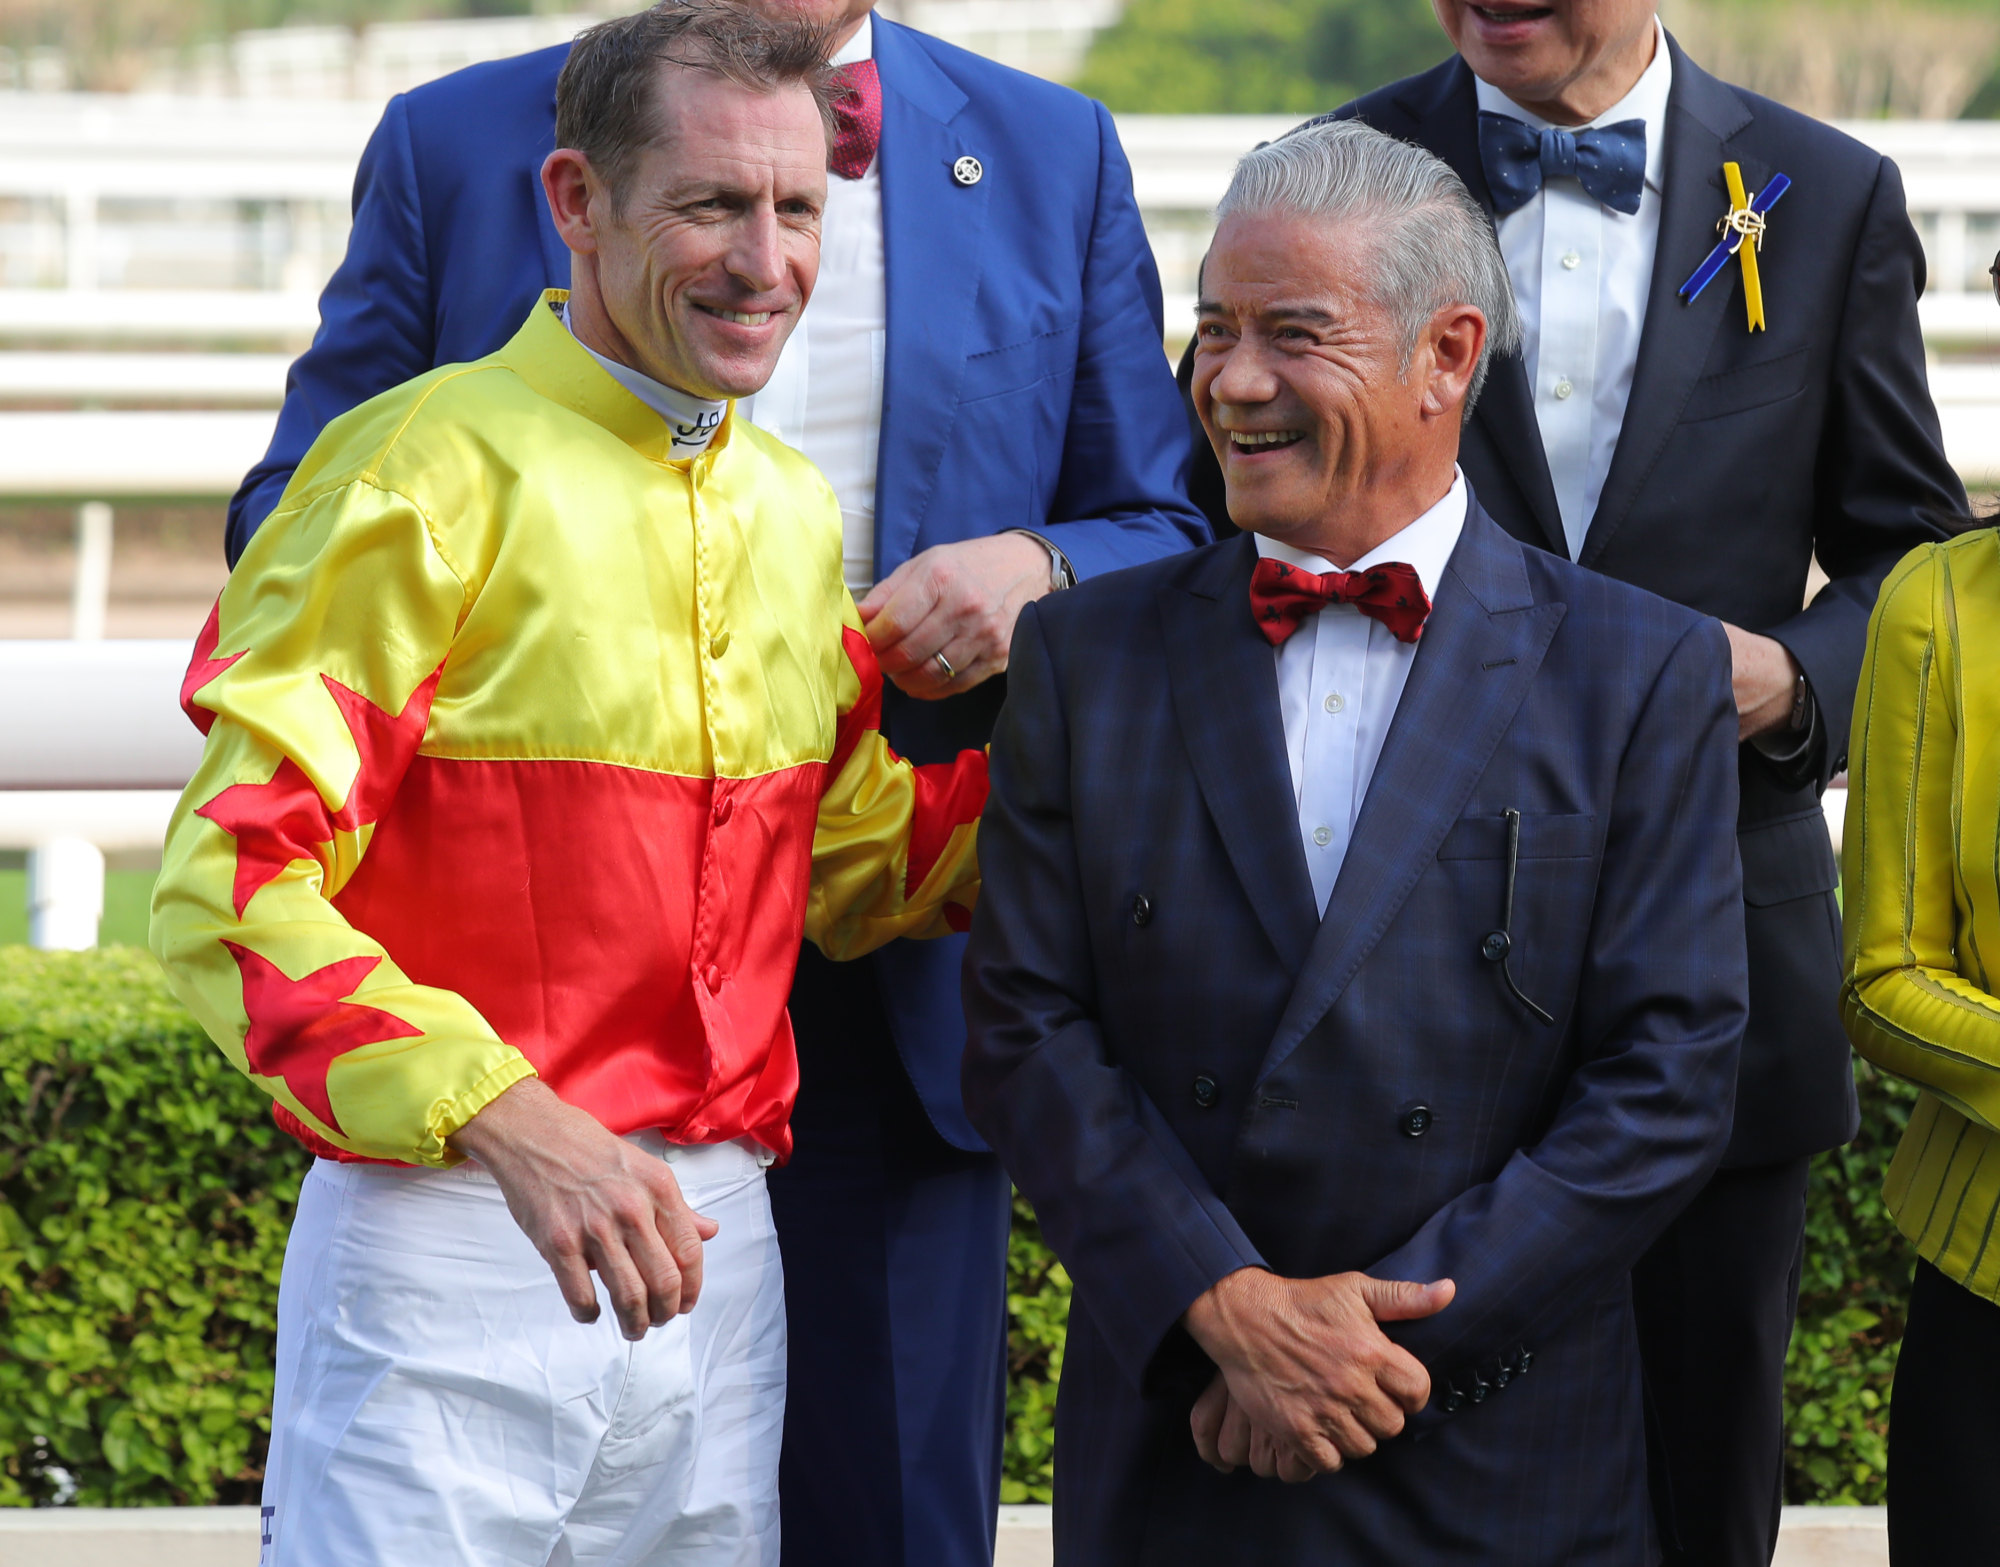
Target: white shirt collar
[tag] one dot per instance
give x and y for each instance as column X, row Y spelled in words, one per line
column 1646, row 101
column 1425, row 544
column 694, row 420
column 860, row 47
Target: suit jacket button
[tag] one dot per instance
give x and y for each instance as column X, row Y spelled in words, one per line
column 1142, row 910
column 1454, row 1401
column 1416, row 1121
column 1206, row 1092
column 1479, row 1390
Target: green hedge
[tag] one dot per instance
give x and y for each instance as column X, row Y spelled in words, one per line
column 144, row 1197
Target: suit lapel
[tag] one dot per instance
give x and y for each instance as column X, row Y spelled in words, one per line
column 1702, row 116
column 1443, row 107
column 1480, row 651
column 1223, row 683
column 933, row 233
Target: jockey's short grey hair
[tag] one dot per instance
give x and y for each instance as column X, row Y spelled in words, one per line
column 1429, row 244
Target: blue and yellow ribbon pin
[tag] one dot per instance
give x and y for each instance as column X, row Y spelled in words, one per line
column 1744, row 222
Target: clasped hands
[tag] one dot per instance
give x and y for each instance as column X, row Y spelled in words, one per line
column 1307, row 1380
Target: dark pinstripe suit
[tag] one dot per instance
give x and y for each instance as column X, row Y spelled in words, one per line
column 1147, row 920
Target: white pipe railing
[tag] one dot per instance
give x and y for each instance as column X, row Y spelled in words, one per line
column 110, row 752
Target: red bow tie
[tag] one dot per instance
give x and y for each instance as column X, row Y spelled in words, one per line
column 1282, row 595
column 857, row 118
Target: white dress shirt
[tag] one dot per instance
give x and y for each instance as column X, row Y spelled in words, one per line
column 825, row 397
column 1340, row 678
column 1582, row 275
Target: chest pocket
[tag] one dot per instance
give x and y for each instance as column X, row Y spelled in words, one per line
column 1544, row 836
column 1015, row 366
column 1746, row 387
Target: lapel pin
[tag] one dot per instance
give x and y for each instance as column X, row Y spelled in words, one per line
column 1744, row 221
column 968, row 170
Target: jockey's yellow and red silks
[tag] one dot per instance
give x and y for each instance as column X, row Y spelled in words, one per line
column 532, row 750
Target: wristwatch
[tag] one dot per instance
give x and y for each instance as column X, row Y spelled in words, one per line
column 1061, row 573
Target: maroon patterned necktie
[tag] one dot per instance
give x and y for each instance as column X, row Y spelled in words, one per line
column 1282, row 595
column 857, row 118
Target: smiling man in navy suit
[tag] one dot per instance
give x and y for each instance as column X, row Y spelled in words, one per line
column 1358, row 976
column 1677, row 439
column 980, row 378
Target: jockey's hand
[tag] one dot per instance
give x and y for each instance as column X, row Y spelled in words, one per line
column 590, row 1200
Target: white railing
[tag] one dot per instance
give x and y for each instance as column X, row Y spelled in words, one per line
column 160, row 260
column 112, row 751
column 1047, row 37
column 105, row 194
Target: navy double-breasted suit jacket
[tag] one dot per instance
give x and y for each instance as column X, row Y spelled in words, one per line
column 1744, row 458
column 1189, row 1071
column 1023, row 385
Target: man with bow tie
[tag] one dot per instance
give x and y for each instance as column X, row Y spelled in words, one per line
column 1327, row 996
column 1709, row 441
column 980, row 379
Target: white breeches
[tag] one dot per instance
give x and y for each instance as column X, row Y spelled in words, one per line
column 437, row 1405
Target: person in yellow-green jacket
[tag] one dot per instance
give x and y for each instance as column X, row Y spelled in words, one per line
column 541, row 727
column 1921, row 999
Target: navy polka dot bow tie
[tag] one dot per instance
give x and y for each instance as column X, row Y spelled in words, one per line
column 1608, row 162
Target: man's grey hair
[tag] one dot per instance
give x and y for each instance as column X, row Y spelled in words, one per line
column 1429, row 244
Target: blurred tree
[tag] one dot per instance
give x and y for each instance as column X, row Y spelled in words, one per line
column 1985, row 103
column 1836, row 58
column 1256, row 56
column 1847, row 59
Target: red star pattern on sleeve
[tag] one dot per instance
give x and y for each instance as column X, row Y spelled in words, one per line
column 298, row 1026
column 273, row 824
column 948, row 794
column 386, row 742
column 866, row 714
column 284, row 820
column 204, row 667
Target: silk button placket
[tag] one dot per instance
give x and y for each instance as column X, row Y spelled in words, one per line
column 712, row 899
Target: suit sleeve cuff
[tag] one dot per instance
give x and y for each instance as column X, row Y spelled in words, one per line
column 1795, row 755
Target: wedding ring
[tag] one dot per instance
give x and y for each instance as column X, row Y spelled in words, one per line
column 944, row 664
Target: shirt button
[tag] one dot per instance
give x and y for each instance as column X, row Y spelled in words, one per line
column 1322, row 836
column 724, row 809
column 719, row 643
column 1572, row 261
column 1335, row 701
column 713, row 978
column 1563, row 388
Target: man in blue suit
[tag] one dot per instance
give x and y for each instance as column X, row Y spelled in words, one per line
column 983, row 355
column 1358, row 978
